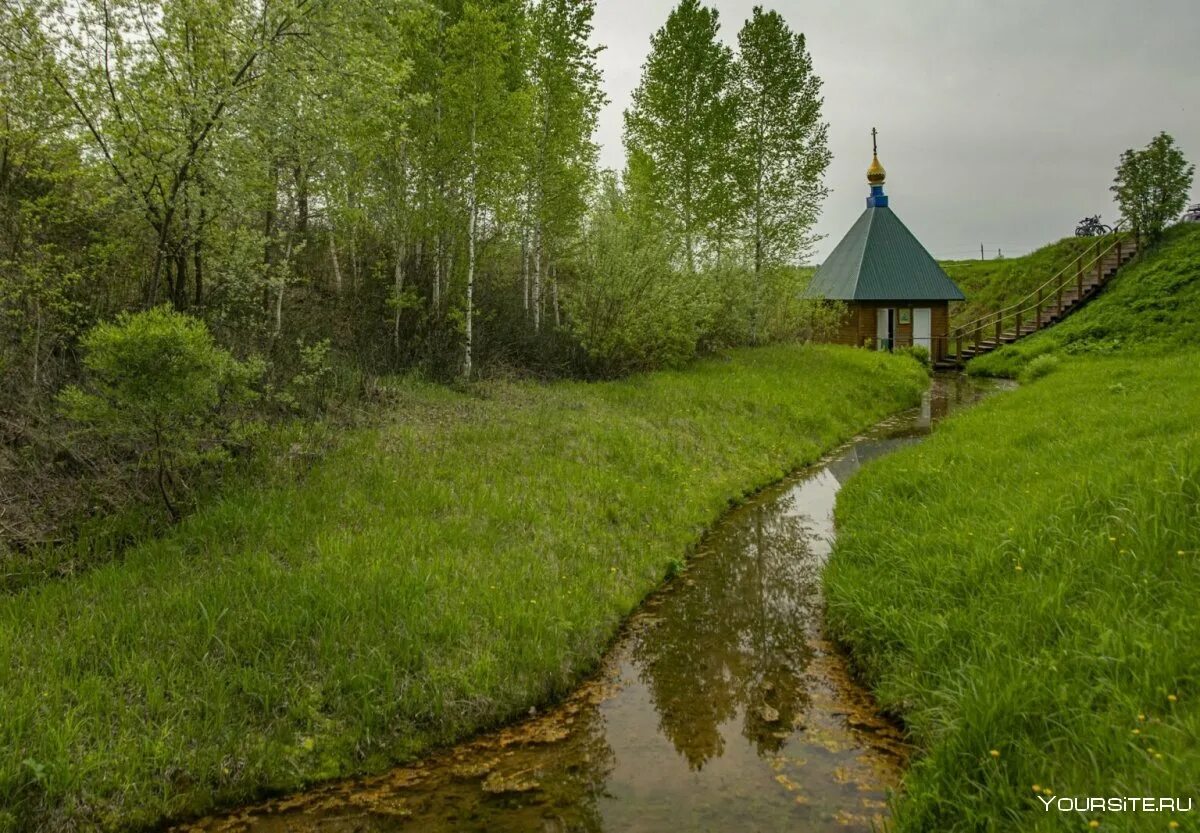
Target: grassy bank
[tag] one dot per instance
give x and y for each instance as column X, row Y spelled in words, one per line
column 435, row 575
column 1152, row 306
column 1022, row 589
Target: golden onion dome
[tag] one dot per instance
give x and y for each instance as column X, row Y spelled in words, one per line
column 876, row 174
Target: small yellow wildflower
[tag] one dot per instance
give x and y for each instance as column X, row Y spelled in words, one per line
column 1112, row 539
column 1047, row 791
column 1137, row 731
column 1158, row 756
column 995, row 753
column 1036, row 788
column 1173, row 825
column 1093, row 824
column 1141, row 717
column 1171, row 698
column 1181, row 552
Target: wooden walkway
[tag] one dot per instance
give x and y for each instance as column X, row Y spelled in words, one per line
column 1067, row 290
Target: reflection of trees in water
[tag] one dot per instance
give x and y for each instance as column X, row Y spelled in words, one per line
column 735, row 641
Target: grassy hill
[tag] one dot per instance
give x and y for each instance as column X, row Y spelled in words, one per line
column 991, row 284
column 1152, row 306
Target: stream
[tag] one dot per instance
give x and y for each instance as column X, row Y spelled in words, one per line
column 721, row 705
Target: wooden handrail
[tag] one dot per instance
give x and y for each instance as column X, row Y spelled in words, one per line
column 1053, row 286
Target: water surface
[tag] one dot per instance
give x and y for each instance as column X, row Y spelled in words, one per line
column 720, row 707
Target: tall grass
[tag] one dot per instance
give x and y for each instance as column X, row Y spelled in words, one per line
column 1022, row 588
column 435, row 575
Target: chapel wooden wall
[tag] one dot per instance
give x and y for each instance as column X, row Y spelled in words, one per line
column 859, row 326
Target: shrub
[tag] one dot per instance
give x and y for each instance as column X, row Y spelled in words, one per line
column 308, row 391
column 1152, row 184
column 918, row 353
column 160, row 390
column 1038, row 367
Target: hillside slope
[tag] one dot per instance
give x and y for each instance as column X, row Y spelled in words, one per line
column 990, row 284
column 1152, row 306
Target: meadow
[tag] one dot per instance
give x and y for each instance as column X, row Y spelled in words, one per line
column 1020, row 589
column 470, row 557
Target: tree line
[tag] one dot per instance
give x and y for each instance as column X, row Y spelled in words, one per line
column 376, row 186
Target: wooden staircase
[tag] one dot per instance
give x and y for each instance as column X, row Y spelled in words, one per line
column 1070, row 288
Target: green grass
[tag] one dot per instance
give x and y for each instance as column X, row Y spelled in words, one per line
column 1152, row 306
column 993, row 284
column 1026, row 581
column 470, row 557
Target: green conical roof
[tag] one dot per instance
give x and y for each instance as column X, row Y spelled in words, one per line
column 879, row 259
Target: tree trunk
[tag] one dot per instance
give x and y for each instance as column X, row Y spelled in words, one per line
column 37, row 341
column 525, row 269
column 301, row 176
column 337, row 268
column 398, row 294
column 286, row 267
column 179, row 295
column 472, row 222
column 554, row 294
column 537, row 279
column 198, row 254
column 438, row 256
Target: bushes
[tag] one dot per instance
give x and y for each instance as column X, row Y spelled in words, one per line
column 918, row 353
column 632, row 309
column 1043, row 365
column 161, row 391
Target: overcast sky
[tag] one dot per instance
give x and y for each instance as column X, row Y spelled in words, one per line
column 1000, row 122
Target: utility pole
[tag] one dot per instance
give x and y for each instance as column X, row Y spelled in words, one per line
column 981, row 257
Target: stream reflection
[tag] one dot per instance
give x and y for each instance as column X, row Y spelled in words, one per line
column 721, row 706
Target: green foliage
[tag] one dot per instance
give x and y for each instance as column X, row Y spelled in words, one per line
column 361, row 614
column 1151, row 307
column 781, row 143
column 1025, row 581
column 160, row 390
column 630, row 310
column 679, row 134
column 308, row 391
column 1152, row 185
column 918, row 353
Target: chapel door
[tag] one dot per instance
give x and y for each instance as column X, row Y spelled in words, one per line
column 923, row 328
column 885, row 328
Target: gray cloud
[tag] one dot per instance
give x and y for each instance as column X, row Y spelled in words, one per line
column 1000, row 122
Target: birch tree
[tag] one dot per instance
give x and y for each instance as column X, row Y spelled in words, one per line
column 484, row 107
column 781, row 146
column 566, row 101
column 680, row 129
